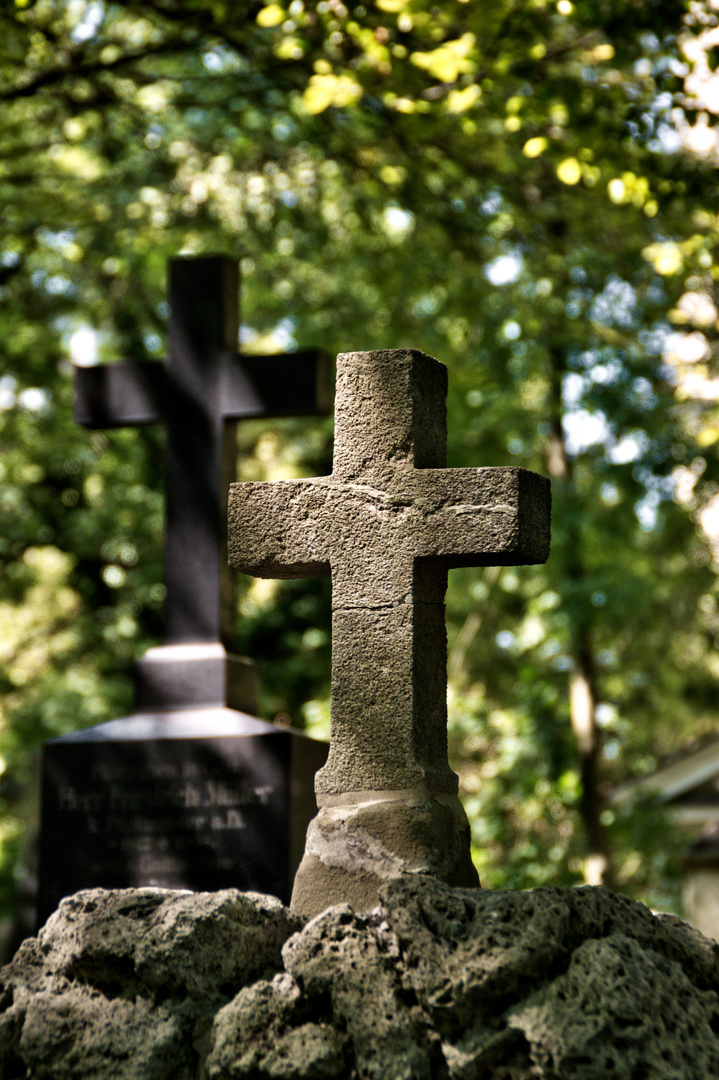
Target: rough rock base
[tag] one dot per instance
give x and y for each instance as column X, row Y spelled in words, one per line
column 437, row 984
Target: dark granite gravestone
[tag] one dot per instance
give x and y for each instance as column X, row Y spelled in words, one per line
column 190, row 791
column 387, row 525
column 200, row 799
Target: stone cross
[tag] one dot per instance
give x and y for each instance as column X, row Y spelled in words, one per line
column 200, row 392
column 387, row 525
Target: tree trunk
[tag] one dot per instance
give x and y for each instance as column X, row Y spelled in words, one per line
column 582, row 681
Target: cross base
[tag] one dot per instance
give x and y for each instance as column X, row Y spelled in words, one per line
column 361, row 839
column 190, row 675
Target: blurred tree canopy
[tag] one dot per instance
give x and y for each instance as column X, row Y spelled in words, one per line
column 524, row 190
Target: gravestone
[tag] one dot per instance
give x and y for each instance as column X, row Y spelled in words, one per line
column 387, row 525
column 191, row 791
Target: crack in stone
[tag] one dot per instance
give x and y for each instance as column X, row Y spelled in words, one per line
column 470, row 508
column 423, row 503
column 388, row 605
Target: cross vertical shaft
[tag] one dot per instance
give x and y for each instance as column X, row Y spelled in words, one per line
column 201, row 451
column 388, row 621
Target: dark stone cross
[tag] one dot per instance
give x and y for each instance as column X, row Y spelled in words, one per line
column 189, row 791
column 199, row 393
column 387, row 525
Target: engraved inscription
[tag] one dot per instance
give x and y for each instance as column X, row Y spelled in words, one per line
column 194, row 813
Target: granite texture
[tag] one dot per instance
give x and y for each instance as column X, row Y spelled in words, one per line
column 435, row 984
column 387, row 525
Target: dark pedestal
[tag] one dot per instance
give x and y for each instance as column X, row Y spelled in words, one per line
column 192, row 675
column 202, row 799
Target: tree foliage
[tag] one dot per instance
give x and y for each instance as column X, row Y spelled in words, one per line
column 504, row 186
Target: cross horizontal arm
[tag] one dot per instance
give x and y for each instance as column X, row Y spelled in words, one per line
column 275, row 528
column 125, row 394
column 455, row 517
column 481, row 517
column 298, row 384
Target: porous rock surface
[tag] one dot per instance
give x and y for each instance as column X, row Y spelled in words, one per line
column 437, row 984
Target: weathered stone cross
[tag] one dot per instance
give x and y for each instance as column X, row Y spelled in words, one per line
column 200, row 393
column 387, row 524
